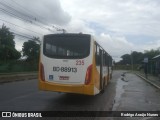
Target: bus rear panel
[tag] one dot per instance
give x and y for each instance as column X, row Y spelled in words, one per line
column 66, row 63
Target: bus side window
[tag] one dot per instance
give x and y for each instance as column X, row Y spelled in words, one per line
column 98, row 56
column 107, row 60
column 110, row 61
column 95, row 46
column 104, row 58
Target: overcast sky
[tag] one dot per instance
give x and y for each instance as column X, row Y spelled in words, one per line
column 121, row 26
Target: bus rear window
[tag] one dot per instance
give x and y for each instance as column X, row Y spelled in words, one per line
column 66, row 46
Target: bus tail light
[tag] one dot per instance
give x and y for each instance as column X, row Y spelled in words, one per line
column 88, row 75
column 42, row 72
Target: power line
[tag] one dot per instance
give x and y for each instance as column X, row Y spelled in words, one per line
column 59, row 29
column 21, row 16
column 26, row 37
column 13, row 15
column 20, row 26
column 24, row 9
column 15, row 11
column 23, row 36
column 7, row 8
column 28, row 21
column 28, row 11
column 44, row 23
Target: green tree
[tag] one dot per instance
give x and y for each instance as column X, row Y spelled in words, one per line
column 151, row 53
column 31, row 49
column 7, row 45
column 126, row 59
column 137, row 57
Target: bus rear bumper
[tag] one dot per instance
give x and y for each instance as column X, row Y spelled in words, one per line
column 79, row 89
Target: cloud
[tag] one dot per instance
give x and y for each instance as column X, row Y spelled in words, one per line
column 115, row 46
column 150, row 45
column 113, row 22
column 79, row 26
column 122, row 16
column 119, row 25
column 46, row 11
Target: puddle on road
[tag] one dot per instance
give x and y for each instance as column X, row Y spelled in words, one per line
column 119, row 91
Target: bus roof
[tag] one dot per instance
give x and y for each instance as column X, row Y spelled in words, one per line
column 68, row 34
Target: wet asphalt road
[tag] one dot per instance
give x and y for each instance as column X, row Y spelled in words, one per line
column 137, row 95
column 24, row 95
column 129, row 94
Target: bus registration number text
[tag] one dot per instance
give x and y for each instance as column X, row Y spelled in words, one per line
column 65, row 69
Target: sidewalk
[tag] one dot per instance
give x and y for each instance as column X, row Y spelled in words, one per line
column 154, row 80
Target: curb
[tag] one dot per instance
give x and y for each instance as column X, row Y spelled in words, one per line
column 15, row 78
column 148, row 81
column 15, row 73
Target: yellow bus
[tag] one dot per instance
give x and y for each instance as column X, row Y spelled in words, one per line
column 73, row 63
